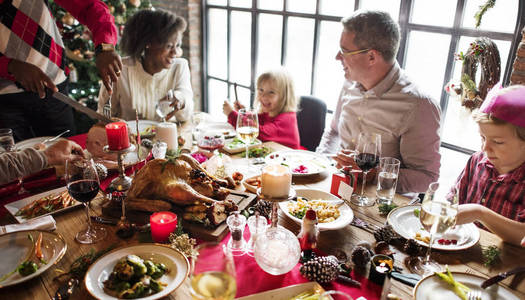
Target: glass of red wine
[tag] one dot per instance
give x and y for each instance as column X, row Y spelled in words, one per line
column 367, row 153
column 83, row 185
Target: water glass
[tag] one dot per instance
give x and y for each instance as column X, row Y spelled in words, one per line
column 7, row 143
column 257, row 226
column 159, row 150
column 387, row 179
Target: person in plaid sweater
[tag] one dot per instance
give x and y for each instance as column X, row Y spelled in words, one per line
column 32, row 59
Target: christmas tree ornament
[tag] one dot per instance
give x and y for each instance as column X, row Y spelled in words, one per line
column 360, row 256
column 308, row 234
column 322, row 269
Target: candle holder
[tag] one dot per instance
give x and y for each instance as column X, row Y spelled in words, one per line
column 121, row 184
column 275, row 204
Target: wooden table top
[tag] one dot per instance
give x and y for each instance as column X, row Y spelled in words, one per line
column 470, row 260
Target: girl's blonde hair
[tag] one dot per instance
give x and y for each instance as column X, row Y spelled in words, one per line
column 283, row 85
column 484, row 118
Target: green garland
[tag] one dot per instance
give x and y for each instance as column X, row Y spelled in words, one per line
column 482, row 10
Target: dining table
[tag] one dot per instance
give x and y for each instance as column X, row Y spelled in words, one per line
column 468, row 261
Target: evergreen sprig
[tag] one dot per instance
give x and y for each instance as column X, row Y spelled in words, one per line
column 490, row 255
column 482, row 10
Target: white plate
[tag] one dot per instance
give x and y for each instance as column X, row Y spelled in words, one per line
column 175, row 261
column 143, row 125
column 33, row 141
column 315, row 163
column 406, row 224
column 17, row 248
column 285, row 293
column 346, row 214
column 239, row 147
column 434, row 288
column 13, row 207
column 223, row 128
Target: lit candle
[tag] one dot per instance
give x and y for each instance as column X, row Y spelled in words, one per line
column 118, row 138
column 167, row 133
column 276, row 181
column 162, row 224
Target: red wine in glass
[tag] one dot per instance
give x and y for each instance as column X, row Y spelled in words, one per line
column 83, row 190
column 367, row 161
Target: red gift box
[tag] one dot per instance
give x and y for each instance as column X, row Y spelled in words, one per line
column 347, row 176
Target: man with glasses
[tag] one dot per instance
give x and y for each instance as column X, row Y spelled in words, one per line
column 378, row 97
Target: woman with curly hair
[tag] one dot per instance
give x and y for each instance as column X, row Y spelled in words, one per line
column 153, row 69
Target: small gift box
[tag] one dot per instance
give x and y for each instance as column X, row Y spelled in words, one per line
column 343, row 183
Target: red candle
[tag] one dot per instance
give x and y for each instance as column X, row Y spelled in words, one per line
column 162, row 224
column 117, row 133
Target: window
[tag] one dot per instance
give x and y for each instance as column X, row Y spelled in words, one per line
column 244, row 38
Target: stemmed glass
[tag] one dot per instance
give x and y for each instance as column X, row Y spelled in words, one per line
column 438, row 214
column 163, row 107
column 213, row 273
column 83, row 185
column 367, row 153
column 247, row 127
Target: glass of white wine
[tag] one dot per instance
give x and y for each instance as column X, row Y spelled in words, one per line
column 247, row 127
column 213, row 273
column 438, row 214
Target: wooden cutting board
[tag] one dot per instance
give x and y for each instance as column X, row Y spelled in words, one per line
column 242, row 199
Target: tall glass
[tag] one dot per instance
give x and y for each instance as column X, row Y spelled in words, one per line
column 367, row 153
column 7, row 143
column 163, row 107
column 213, row 273
column 387, row 179
column 83, row 185
column 247, row 127
column 437, row 215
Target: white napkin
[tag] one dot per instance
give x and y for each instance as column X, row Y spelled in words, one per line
column 43, row 223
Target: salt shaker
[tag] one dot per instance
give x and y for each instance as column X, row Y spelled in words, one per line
column 257, row 225
column 236, row 223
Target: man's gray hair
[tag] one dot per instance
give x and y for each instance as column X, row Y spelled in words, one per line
column 374, row 30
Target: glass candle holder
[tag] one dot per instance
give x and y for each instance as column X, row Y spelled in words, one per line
column 257, row 226
column 236, row 223
column 380, row 268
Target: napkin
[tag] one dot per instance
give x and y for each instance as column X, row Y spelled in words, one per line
column 43, row 223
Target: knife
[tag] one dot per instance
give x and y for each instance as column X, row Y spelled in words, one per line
column 501, row 276
column 66, row 290
column 81, row 108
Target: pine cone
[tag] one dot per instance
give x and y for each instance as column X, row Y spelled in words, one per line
column 102, row 171
column 264, row 208
column 386, row 234
column 360, row 256
column 322, row 269
column 412, row 248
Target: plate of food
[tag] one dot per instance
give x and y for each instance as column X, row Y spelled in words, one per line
column 36, row 143
column 252, row 184
column 332, row 212
column 222, row 128
column 307, row 289
column 47, row 203
column 300, row 162
column 27, row 254
column 405, row 221
column 145, row 271
column 435, row 288
column 237, row 146
column 147, row 128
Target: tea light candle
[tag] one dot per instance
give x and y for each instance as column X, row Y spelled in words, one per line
column 167, row 133
column 276, row 181
column 118, row 138
column 162, row 224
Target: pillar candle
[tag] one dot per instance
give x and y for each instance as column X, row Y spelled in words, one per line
column 162, row 224
column 118, row 138
column 276, row 181
column 167, row 133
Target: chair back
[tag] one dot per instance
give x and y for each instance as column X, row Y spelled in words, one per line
column 311, row 117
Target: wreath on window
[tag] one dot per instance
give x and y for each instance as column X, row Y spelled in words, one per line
column 482, row 52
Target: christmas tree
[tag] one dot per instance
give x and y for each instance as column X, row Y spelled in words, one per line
column 84, row 81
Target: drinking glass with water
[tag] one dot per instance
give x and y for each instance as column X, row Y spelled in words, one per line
column 387, row 179
column 7, row 143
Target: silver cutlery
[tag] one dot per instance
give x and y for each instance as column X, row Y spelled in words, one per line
column 474, row 295
column 55, row 137
column 501, row 276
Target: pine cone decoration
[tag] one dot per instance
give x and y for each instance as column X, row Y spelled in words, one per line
column 386, row 234
column 102, row 171
column 412, row 248
column 264, row 208
column 322, row 269
column 360, row 256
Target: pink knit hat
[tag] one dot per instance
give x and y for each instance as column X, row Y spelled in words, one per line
column 508, row 106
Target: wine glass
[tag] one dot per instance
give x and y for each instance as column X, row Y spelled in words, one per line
column 163, row 107
column 367, row 153
column 213, row 273
column 247, row 127
column 83, row 185
column 438, row 213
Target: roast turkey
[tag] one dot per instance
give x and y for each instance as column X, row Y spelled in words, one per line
column 184, row 183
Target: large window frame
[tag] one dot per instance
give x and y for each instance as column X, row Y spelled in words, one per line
column 456, row 32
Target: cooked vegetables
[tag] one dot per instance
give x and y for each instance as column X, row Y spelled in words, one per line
column 459, row 289
column 133, row 277
column 46, row 205
column 326, row 212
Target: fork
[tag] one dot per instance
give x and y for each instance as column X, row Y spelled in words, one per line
column 474, row 295
column 55, row 137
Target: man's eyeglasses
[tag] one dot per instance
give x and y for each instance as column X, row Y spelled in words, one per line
column 350, row 53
